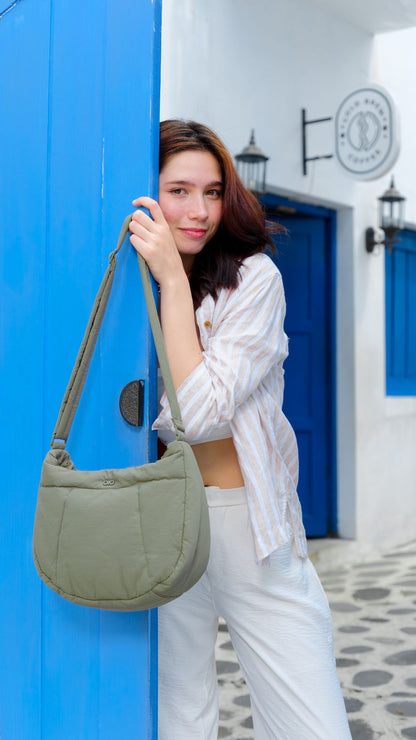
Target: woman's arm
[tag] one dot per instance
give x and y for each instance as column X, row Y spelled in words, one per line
column 152, row 238
column 247, row 340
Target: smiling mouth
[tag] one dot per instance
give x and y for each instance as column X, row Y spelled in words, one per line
column 195, row 233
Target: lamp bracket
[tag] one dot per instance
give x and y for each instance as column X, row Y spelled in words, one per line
column 378, row 237
column 306, row 123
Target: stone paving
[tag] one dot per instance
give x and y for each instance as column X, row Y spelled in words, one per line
column 373, row 607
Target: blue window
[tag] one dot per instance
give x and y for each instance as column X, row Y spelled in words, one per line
column 401, row 317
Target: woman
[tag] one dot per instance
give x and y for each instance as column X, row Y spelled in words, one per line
column 222, row 309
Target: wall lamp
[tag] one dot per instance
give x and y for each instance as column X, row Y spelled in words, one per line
column 251, row 167
column 390, row 220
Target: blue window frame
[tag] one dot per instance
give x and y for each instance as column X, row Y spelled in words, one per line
column 401, row 317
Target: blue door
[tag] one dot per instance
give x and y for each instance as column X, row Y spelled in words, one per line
column 303, row 259
column 400, row 271
column 79, row 113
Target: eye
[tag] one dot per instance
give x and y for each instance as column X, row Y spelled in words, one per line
column 177, row 191
column 214, row 193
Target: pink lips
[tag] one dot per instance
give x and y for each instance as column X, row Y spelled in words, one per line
column 194, row 233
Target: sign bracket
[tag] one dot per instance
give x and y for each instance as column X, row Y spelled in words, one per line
column 306, row 123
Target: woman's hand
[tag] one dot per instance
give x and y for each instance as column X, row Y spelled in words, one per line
column 153, row 239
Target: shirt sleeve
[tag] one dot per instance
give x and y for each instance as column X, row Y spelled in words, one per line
column 247, row 339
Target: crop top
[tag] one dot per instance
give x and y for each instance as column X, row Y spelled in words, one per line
column 218, row 431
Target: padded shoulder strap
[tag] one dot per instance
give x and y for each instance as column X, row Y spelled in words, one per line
column 77, row 380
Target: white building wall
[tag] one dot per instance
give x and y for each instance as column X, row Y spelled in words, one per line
column 239, row 64
column 386, row 426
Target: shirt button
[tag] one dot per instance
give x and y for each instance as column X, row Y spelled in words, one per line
column 207, row 323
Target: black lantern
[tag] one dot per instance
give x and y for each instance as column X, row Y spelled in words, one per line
column 390, row 219
column 251, row 167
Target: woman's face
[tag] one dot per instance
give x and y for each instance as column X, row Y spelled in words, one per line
column 190, row 196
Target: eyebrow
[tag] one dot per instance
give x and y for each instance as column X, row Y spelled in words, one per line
column 216, row 183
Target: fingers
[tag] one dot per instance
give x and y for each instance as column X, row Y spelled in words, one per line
column 142, row 220
column 152, row 238
column 141, row 239
column 140, row 230
column 147, row 233
column 144, row 200
column 139, row 245
column 152, row 206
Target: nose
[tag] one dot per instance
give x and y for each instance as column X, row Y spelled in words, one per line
column 198, row 208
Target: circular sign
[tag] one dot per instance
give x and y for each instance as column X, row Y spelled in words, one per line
column 366, row 133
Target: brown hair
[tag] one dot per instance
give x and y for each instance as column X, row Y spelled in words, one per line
column 242, row 231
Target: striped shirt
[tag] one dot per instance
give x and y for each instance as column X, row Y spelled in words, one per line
column 240, row 381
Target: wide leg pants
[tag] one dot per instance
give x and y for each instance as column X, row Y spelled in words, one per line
column 280, row 626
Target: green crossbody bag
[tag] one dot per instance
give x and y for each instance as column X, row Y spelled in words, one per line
column 125, row 539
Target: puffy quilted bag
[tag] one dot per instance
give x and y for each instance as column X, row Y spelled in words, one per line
column 124, row 539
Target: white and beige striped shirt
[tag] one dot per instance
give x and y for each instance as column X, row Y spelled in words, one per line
column 240, row 381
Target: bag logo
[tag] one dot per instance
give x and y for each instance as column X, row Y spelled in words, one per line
column 108, row 482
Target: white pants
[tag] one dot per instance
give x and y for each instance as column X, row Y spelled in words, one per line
column 280, row 626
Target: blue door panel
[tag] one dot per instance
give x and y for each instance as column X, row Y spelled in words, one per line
column 79, row 117
column 305, row 479
column 401, row 317
column 22, row 163
column 411, row 318
column 300, row 403
column 400, row 311
column 302, row 261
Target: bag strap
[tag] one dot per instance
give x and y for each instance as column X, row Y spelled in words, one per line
column 79, row 374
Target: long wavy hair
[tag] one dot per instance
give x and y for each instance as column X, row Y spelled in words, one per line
column 242, row 230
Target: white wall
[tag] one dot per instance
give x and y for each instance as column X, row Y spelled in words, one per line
column 239, row 64
column 386, row 436
column 242, row 64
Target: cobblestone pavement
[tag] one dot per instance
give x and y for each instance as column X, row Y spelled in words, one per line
column 373, row 607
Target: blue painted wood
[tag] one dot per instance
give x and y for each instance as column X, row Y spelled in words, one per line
column 303, row 261
column 400, row 269
column 331, row 240
column 79, row 132
column 22, row 197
